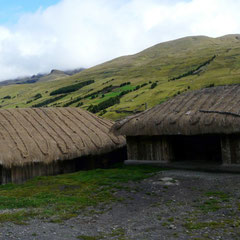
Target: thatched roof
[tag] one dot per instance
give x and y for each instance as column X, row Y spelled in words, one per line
column 213, row 110
column 50, row 134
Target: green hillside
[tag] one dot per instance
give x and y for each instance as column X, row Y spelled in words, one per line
column 125, row 85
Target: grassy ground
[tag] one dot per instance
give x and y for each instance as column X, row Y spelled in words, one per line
column 61, row 197
column 124, row 203
column 157, row 64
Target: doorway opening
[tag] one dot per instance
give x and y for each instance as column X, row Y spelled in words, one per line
column 197, row 149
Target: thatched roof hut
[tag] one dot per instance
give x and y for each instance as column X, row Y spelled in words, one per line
column 48, row 135
column 210, row 112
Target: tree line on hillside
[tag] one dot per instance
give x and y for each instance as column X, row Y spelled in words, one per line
column 92, row 108
column 103, row 105
column 193, row 71
column 95, row 94
column 36, row 97
column 72, row 101
column 71, row 88
column 103, row 91
column 48, row 101
column 114, row 100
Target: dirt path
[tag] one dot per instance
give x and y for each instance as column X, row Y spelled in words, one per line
column 170, row 205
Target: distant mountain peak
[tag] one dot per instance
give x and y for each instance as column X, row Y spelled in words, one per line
column 55, row 71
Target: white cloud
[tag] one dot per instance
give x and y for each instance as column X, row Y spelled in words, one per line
column 82, row 33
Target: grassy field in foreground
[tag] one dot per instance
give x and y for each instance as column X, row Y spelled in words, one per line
column 61, row 197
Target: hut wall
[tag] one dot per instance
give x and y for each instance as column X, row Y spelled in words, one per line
column 231, row 149
column 162, row 148
column 19, row 174
column 157, row 148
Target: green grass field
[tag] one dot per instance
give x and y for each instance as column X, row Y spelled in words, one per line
column 61, row 197
column 158, row 64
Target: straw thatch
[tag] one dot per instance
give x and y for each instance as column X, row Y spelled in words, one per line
column 213, row 110
column 46, row 135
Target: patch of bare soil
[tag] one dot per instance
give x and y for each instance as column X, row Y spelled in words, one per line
column 173, row 204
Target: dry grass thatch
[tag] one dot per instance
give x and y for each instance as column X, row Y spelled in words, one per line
column 213, row 110
column 50, row 134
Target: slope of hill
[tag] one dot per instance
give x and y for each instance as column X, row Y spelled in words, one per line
column 53, row 75
column 128, row 84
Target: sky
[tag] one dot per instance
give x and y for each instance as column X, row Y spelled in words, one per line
column 39, row 35
column 11, row 10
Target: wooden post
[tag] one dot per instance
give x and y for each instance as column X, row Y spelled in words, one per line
column 146, row 106
column 230, row 149
column 149, row 148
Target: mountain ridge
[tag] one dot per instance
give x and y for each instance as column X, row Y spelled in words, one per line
column 54, row 75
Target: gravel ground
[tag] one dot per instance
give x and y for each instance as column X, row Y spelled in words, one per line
column 173, row 204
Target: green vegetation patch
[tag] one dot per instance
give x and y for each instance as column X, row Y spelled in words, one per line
column 7, row 97
column 61, row 197
column 215, row 201
column 211, row 205
column 48, row 101
column 71, row 88
column 219, row 194
column 195, row 225
column 36, row 97
column 102, row 91
column 111, row 98
column 18, row 217
column 103, row 105
column 75, row 100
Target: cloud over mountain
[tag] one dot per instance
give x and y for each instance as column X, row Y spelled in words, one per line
column 79, row 33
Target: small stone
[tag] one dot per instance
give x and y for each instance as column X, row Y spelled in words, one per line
column 172, row 226
column 166, row 179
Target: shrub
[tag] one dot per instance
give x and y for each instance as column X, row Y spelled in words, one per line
column 153, row 85
column 38, row 95
column 144, row 84
column 80, row 104
column 103, row 112
column 7, row 97
column 210, row 85
column 124, row 84
column 124, row 93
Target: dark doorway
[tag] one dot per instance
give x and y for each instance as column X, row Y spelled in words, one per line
column 204, row 148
